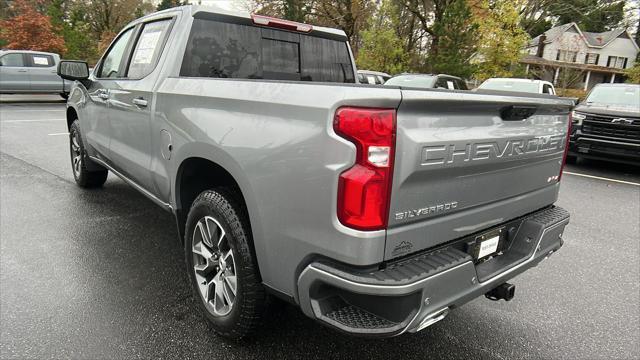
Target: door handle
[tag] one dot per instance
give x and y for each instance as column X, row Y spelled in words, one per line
column 103, row 95
column 22, row 70
column 141, row 102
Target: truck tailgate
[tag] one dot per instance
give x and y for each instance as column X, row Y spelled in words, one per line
column 467, row 161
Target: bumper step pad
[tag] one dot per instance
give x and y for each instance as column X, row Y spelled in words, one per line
column 354, row 317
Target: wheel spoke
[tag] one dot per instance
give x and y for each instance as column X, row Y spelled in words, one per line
column 200, row 249
column 228, row 257
column 204, row 232
column 232, row 284
column 219, row 299
column 221, row 238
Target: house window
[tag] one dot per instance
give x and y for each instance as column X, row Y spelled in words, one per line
column 617, row 62
column 592, row 59
column 566, row 55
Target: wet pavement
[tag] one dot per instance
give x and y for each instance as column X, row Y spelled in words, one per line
column 100, row 274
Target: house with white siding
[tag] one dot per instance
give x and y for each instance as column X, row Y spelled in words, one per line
column 598, row 57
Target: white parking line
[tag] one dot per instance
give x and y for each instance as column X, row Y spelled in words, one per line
column 55, row 134
column 28, row 110
column 602, row 178
column 31, row 120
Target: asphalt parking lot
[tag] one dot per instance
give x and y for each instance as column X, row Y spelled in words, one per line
column 100, row 274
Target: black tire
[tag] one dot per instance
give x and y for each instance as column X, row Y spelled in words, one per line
column 79, row 159
column 572, row 159
column 247, row 312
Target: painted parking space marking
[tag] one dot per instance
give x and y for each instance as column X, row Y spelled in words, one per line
column 28, row 110
column 30, row 120
column 602, row 178
column 56, row 134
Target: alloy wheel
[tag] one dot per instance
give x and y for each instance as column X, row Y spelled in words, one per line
column 214, row 266
column 76, row 154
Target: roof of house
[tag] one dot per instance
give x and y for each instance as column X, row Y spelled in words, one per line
column 591, row 38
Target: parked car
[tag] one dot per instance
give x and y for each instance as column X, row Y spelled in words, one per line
column 376, row 210
column 372, row 77
column 428, row 81
column 606, row 125
column 518, row 85
column 31, row 72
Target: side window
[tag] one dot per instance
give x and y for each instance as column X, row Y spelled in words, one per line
column 111, row 64
column 461, row 85
column 148, row 49
column 12, row 60
column 546, row 89
column 41, row 60
column 441, row 84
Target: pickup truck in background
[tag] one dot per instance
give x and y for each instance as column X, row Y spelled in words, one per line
column 518, row 85
column 428, row 81
column 31, row 72
column 374, row 209
column 606, row 125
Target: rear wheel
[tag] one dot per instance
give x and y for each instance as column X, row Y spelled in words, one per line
column 84, row 178
column 222, row 268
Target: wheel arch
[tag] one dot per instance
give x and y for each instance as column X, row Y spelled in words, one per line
column 72, row 115
column 196, row 173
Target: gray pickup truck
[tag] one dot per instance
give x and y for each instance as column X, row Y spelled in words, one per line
column 374, row 209
column 31, row 72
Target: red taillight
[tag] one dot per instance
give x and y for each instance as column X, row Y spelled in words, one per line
column 279, row 23
column 566, row 148
column 364, row 190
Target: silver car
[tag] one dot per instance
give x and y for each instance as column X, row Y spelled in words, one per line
column 25, row 71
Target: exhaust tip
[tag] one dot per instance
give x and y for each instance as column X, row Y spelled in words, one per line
column 432, row 319
column 504, row 291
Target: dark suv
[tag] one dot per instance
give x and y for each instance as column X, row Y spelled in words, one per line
column 606, row 125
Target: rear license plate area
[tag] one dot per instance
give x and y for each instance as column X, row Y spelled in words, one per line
column 487, row 244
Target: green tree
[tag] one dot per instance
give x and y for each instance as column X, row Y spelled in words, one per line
column 591, row 15
column 68, row 22
column 381, row 48
column 294, row 10
column 501, row 38
column 456, row 34
column 633, row 74
column 167, row 4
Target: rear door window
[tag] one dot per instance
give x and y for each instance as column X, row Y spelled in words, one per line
column 229, row 50
column 12, row 60
column 461, row 85
column 441, row 84
column 40, row 60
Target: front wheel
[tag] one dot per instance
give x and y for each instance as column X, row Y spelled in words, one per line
column 222, row 268
column 84, row 178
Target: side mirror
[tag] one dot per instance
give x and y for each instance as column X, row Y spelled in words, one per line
column 73, row 70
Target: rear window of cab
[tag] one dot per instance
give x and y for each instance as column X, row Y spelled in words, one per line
column 220, row 49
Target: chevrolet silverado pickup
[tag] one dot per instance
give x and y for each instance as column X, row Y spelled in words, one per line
column 31, row 72
column 376, row 210
column 606, row 126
